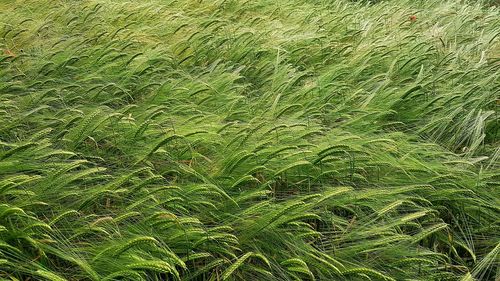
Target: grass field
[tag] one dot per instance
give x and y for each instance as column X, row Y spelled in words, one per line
column 249, row 140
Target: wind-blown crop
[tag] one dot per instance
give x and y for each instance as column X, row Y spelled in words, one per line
column 249, row 140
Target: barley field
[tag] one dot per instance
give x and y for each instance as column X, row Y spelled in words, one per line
column 249, row 140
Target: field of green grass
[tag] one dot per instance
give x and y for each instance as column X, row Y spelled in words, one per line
column 249, row 140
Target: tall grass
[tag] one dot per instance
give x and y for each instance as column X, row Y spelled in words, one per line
column 249, row 140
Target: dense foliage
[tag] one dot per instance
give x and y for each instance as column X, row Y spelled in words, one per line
column 249, row 140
